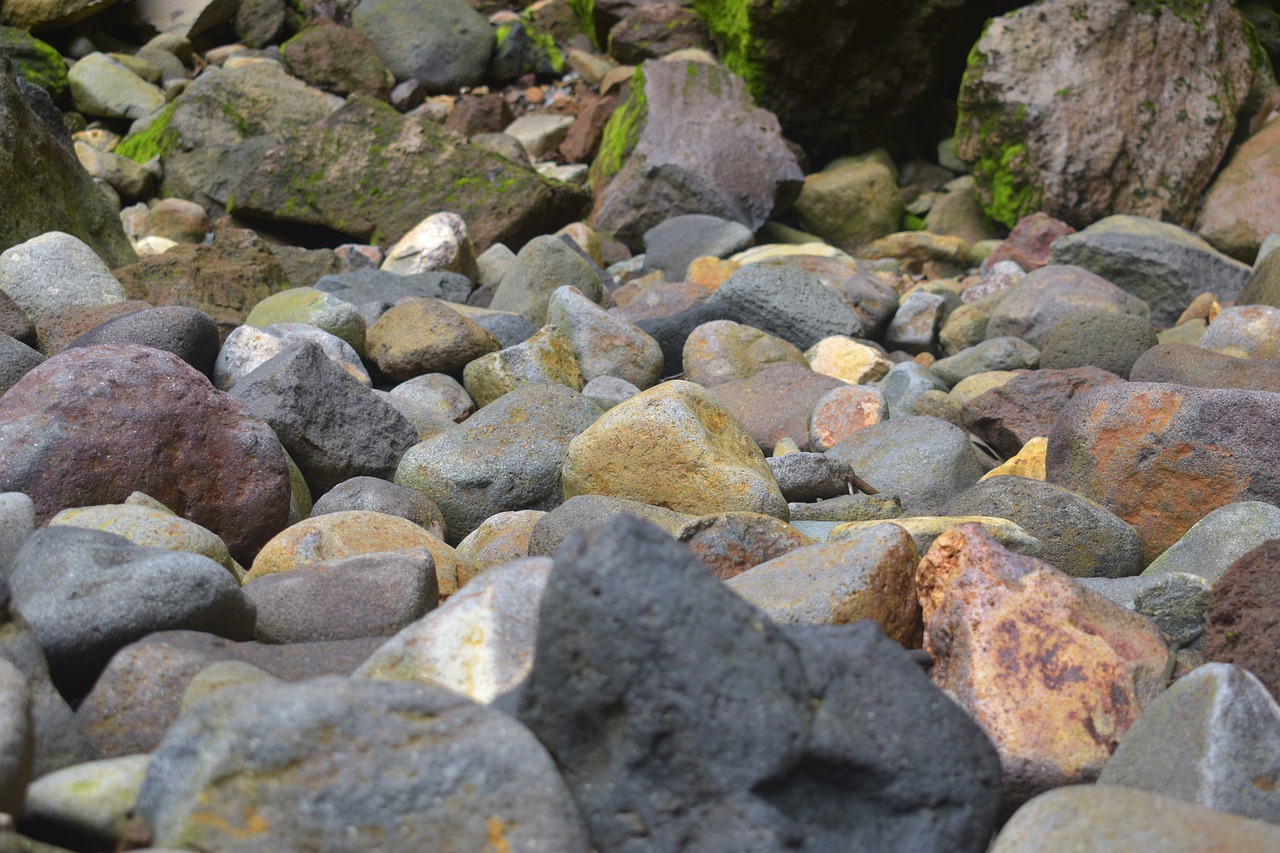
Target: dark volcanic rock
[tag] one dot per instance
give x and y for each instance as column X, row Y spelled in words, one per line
column 95, row 424
column 188, row 333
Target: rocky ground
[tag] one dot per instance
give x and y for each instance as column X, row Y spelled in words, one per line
column 619, row 426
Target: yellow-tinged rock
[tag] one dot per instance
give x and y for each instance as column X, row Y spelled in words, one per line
column 1028, row 462
column 347, row 534
column 773, row 251
column 709, row 272
column 1054, row 674
column 925, row 529
column 673, row 446
column 545, row 357
column 980, row 383
column 847, row 360
column 500, row 538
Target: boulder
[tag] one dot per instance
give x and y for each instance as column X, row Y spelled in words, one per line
column 443, row 44
column 1239, row 210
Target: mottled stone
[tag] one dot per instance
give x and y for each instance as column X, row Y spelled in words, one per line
column 315, row 308
column 426, row 336
column 992, row 354
column 188, row 333
column 1184, row 364
column 914, row 328
column 604, row 345
column 545, row 358
column 1027, row 405
column 584, row 510
column 1244, row 331
column 150, row 527
column 500, row 538
column 721, row 351
column 848, row 360
column 246, row 349
column 730, row 543
column 841, row 412
column 790, row 303
column 1102, row 339
column 56, row 270
column 1036, row 303
column 373, row 494
column 775, row 402
column 544, row 264
column 87, row 801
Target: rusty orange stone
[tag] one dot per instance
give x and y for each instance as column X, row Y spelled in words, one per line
column 843, row 411
column 1054, row 674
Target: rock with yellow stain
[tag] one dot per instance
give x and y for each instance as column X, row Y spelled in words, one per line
column 848, row 360
column 480, row 643
column 426, row 336
column 500, row 538
column 350, row 533
column 151, row 525
column 721, row 351
column 1027, row 462
column 89, row 800
column 1163, row 456
column 1052, row 672
column 547, row 357
column 349, row 765
column 868, row 576
column 673, row 446
column 604, row 345
column 925, row 529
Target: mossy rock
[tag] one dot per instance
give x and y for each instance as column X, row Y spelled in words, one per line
column 34, row 61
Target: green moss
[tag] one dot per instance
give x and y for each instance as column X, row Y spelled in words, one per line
column 729, row 23
column 35, row 61
column 586, row 12
column 621, row 133
column 156, row 141
column 913, row 223
column 1257, row 54
column 1013, row 196
column 548, row 45
column 240, row 122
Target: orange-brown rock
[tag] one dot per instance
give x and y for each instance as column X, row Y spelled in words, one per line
column 1163, row 456
column 732, row 542
column 1052, row 672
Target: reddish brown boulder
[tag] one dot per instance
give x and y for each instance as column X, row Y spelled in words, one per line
column 1184, row 364
column 58, row 327
column 775, row 402
column 583, row 139
column 732, row 542
column 95, row 424
column 1026, row 406
column 479, row 114
column 1028, row 243
column 1241, row 206
column 1163, row 456
column 1243, row 626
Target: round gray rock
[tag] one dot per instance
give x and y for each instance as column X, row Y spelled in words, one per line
column 1099, row 338
column 188, row 333
column 443, row 44
column 376, row 495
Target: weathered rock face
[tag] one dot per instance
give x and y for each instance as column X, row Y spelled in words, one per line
column 1066, row 108
column 666, row 151
column 1053, row 673
column 846, row 74
column 44, row 188
column 1241, row 627
column 1240, row 207
column 1162, row 456
column 94, row 424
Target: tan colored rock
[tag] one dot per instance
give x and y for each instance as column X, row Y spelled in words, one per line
column 336, row 535
column 925, row 529
column 1052, row 672
column 425, row 336
column 437, row 243
column 604, row 345
column 545, row 357
column 480, row 643
column 1242, row 205
column 850, row 203
column 869, row 576
column 673, row 446
column 846, row 359
column 732, row 542
column 841, row 412
column 500, row 538
column 721, row 351
column 979, row 383
column 1028, row 462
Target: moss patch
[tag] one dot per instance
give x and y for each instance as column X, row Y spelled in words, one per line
column 35, row 61
column 586, row 12
column 729, row 23
column 621, row 133
column 156, row 141
column 1192, row 11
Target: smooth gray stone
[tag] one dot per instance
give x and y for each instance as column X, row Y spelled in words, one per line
column 1007, row 353
column 56, row 270
column 903, row 385
column 1218, row 540
column 608, row 391
column 673, row 244
column 1213, row 738
column 16, row 361
column 188, row 333
column 372, row 494
column 17, row 740
column 788, row 302
column 1099, row 338
column 349, row 765
column 544, row 264
column 443, row 44
column 855, row 507
column 808, row 477
column 17, row 522
column 375, row 291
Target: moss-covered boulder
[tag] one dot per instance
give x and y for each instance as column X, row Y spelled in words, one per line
column 44, row 188
column 848, row 75
column 689, row 139
column 35, row 61
column 1071, row 109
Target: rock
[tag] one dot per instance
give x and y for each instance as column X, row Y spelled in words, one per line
column 1235, row 216
column 426, row 336
column 16, row 361
column 246, row 349
column 376, row 291
column 698, row 793
column 89, row 802
column 1159, row 263
column 339, row 60
column 1177, row 602
column 1149, row 454
column 17, row 741
column 1027, row 462
column 183, row 18
column 139, row 694
column 545, row 358
column 1054, row 716
column 150, row 527
column 480, row 643
column 333, row 427
column 790, row 303
column 14, row 323
column 58, row 327
column 674, row 243
column 1028, row 405
column 17, row 522
column 554, row 527
column 1245, row 331
column 1007, row 353
column 776, row 402
column 1263, row 287
column 224, row 279
column 314, row 308
column 445, row 49
column 904, row 384
column 914, row 328
column 1028, row 244
column 523, row 48
column 34, row 61
column 834, row 511
column 439, row 243
column 848, row 360
column 1037, row 302
column 1076, row 536
column 654, row 30
column 1208, row 739
column 807, row 477
column 188, row 333
column 706, row 462
column 1241, row 625
column 507, row 456
column 664, row 153
column 956, row 212
column 500, row 538
column 602, row 344
column 106, row 88
column 1182, row 364
column 1102, row 339
column 1219, row 539
column 870, row 576
column 923, row 461
column 850, row 203
column 438, row 392
column 730, row 543
column 369, row 595
column 56, row 270
column 87, row 593
column 485, row 777
column 723, row 351
column 372, row 494
column 1111, row 817
column 1030, row 105
column 200, row 453
column 925, row 529
column 259, row 23
column 539, row 135
column 671, row 331
column 543, row 265
column 841, row 412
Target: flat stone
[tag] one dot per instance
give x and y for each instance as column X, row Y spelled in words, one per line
column 674, row 243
